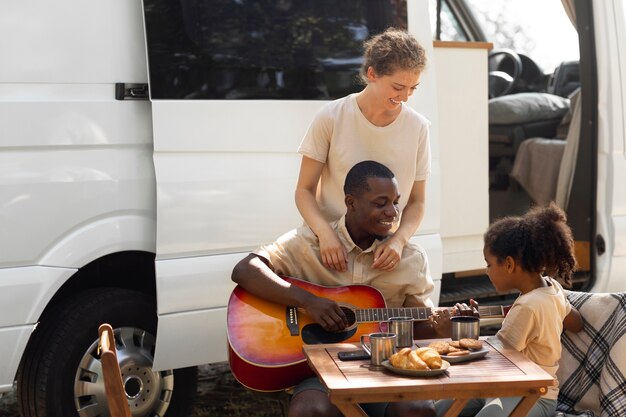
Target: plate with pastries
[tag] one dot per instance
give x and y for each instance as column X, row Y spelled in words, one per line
column 463, row 350
column 419, row 362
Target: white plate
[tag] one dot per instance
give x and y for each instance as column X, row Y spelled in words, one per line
column 417, row 372
column 474, row 354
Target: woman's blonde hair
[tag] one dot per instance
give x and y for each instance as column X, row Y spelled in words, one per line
column 390, row 51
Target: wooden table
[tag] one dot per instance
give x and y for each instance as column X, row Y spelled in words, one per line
column 504, row 372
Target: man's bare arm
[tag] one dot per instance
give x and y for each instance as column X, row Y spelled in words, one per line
column 256, row 276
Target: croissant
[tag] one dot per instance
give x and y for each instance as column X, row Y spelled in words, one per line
column 430, row 356
column 415, row 362
column 400, row 359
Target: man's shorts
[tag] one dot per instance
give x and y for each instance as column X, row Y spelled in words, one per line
column 313, row 383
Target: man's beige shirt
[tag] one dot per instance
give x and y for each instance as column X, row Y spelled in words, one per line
column 297, row 254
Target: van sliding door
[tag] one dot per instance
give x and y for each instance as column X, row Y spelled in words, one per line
column 234, row 86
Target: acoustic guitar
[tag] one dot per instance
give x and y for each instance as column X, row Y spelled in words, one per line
column 265, row 338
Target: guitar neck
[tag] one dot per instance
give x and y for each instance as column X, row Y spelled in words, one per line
column 370, row 315
column 493, row 311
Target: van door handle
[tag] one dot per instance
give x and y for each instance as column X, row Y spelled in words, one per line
column 128, row 91
column 600, row 245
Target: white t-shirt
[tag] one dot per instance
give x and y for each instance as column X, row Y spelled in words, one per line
column 340, row 136
column 534, row 325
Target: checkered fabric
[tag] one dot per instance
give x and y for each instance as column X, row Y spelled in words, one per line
column 593, row 364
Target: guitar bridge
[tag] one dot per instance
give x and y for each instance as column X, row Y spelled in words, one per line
column 291, row 318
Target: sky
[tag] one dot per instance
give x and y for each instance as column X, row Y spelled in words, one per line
column 550, row 36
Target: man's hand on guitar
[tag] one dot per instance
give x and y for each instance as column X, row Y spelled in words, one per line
column 327, row 313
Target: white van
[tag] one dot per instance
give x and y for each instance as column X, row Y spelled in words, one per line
column 145, row 148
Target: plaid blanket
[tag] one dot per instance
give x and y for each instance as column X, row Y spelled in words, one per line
column 593, row 364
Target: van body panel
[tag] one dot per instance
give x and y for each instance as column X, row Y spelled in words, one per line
column 118, row 232
column 191, row 338
column 24, row 292
column 463, row 133
column 72, row 42
column 79, row 186
column 609, row 22
column 226, row 173
column 13, row 341
column 199, row 212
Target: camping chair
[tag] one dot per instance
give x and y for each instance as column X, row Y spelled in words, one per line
column 113, row 385
column 592, row 371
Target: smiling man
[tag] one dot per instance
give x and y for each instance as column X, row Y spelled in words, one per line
column 371, row 197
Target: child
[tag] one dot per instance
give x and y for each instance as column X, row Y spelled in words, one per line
column 518, row 252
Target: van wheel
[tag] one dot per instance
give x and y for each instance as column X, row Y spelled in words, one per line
column 61, row 375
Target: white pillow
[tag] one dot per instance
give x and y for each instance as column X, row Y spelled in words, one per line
column 526, row 107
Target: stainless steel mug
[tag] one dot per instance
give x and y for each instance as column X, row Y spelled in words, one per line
column 379, row 345
column 403, row 328
column 465, row 327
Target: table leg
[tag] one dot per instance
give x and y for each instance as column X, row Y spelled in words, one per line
column 350, row 409
column 456, row 407
column 524, row 406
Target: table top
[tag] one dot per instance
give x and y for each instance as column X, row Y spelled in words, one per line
column 502, row 372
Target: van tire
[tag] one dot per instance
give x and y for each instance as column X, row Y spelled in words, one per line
column 66, row 337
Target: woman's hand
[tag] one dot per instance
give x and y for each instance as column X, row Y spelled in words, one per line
column 333, row 253
column 387, row 254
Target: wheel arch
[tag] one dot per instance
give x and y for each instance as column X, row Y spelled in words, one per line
column 132, row 270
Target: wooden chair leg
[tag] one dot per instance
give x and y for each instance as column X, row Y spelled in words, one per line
column 113, row 384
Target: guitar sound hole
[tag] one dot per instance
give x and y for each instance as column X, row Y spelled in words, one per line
column 350, row 315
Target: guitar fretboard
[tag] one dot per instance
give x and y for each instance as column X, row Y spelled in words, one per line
column 368, row 315
column 381, row 314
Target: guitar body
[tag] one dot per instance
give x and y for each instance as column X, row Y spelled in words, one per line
column 265, row 353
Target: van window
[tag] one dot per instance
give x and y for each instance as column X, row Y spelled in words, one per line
column 539, row 29
column 450, row 27
column 261, row 49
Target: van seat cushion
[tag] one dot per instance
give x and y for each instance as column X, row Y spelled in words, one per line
column 526, row 107
column 593, row 364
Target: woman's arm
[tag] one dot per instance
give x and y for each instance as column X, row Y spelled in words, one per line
column 333, row 253
column 387, row 255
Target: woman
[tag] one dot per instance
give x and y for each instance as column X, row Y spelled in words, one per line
column 373, row 124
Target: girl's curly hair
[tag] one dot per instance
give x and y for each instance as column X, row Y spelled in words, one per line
column 540, row 241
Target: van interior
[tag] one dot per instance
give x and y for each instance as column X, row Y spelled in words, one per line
column 538, row 152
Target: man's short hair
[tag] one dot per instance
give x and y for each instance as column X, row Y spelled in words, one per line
column 356, row 179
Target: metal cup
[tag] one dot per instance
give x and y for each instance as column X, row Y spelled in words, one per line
column 465, row 327
column 403, row 328
column 381, row 346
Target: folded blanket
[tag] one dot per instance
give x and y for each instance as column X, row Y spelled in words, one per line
column 593, row 364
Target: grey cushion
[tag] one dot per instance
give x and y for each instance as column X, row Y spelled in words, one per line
column 526, row 107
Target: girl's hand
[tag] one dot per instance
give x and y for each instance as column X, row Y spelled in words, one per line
column 333, row 253
column 462, row 309
column 387, row 254
column 441, row 324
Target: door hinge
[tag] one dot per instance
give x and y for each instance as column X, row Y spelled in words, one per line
column 128, row 91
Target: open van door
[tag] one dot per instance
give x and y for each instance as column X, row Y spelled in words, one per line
column 556, row 122
column 233, row 90
column 608, row 119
